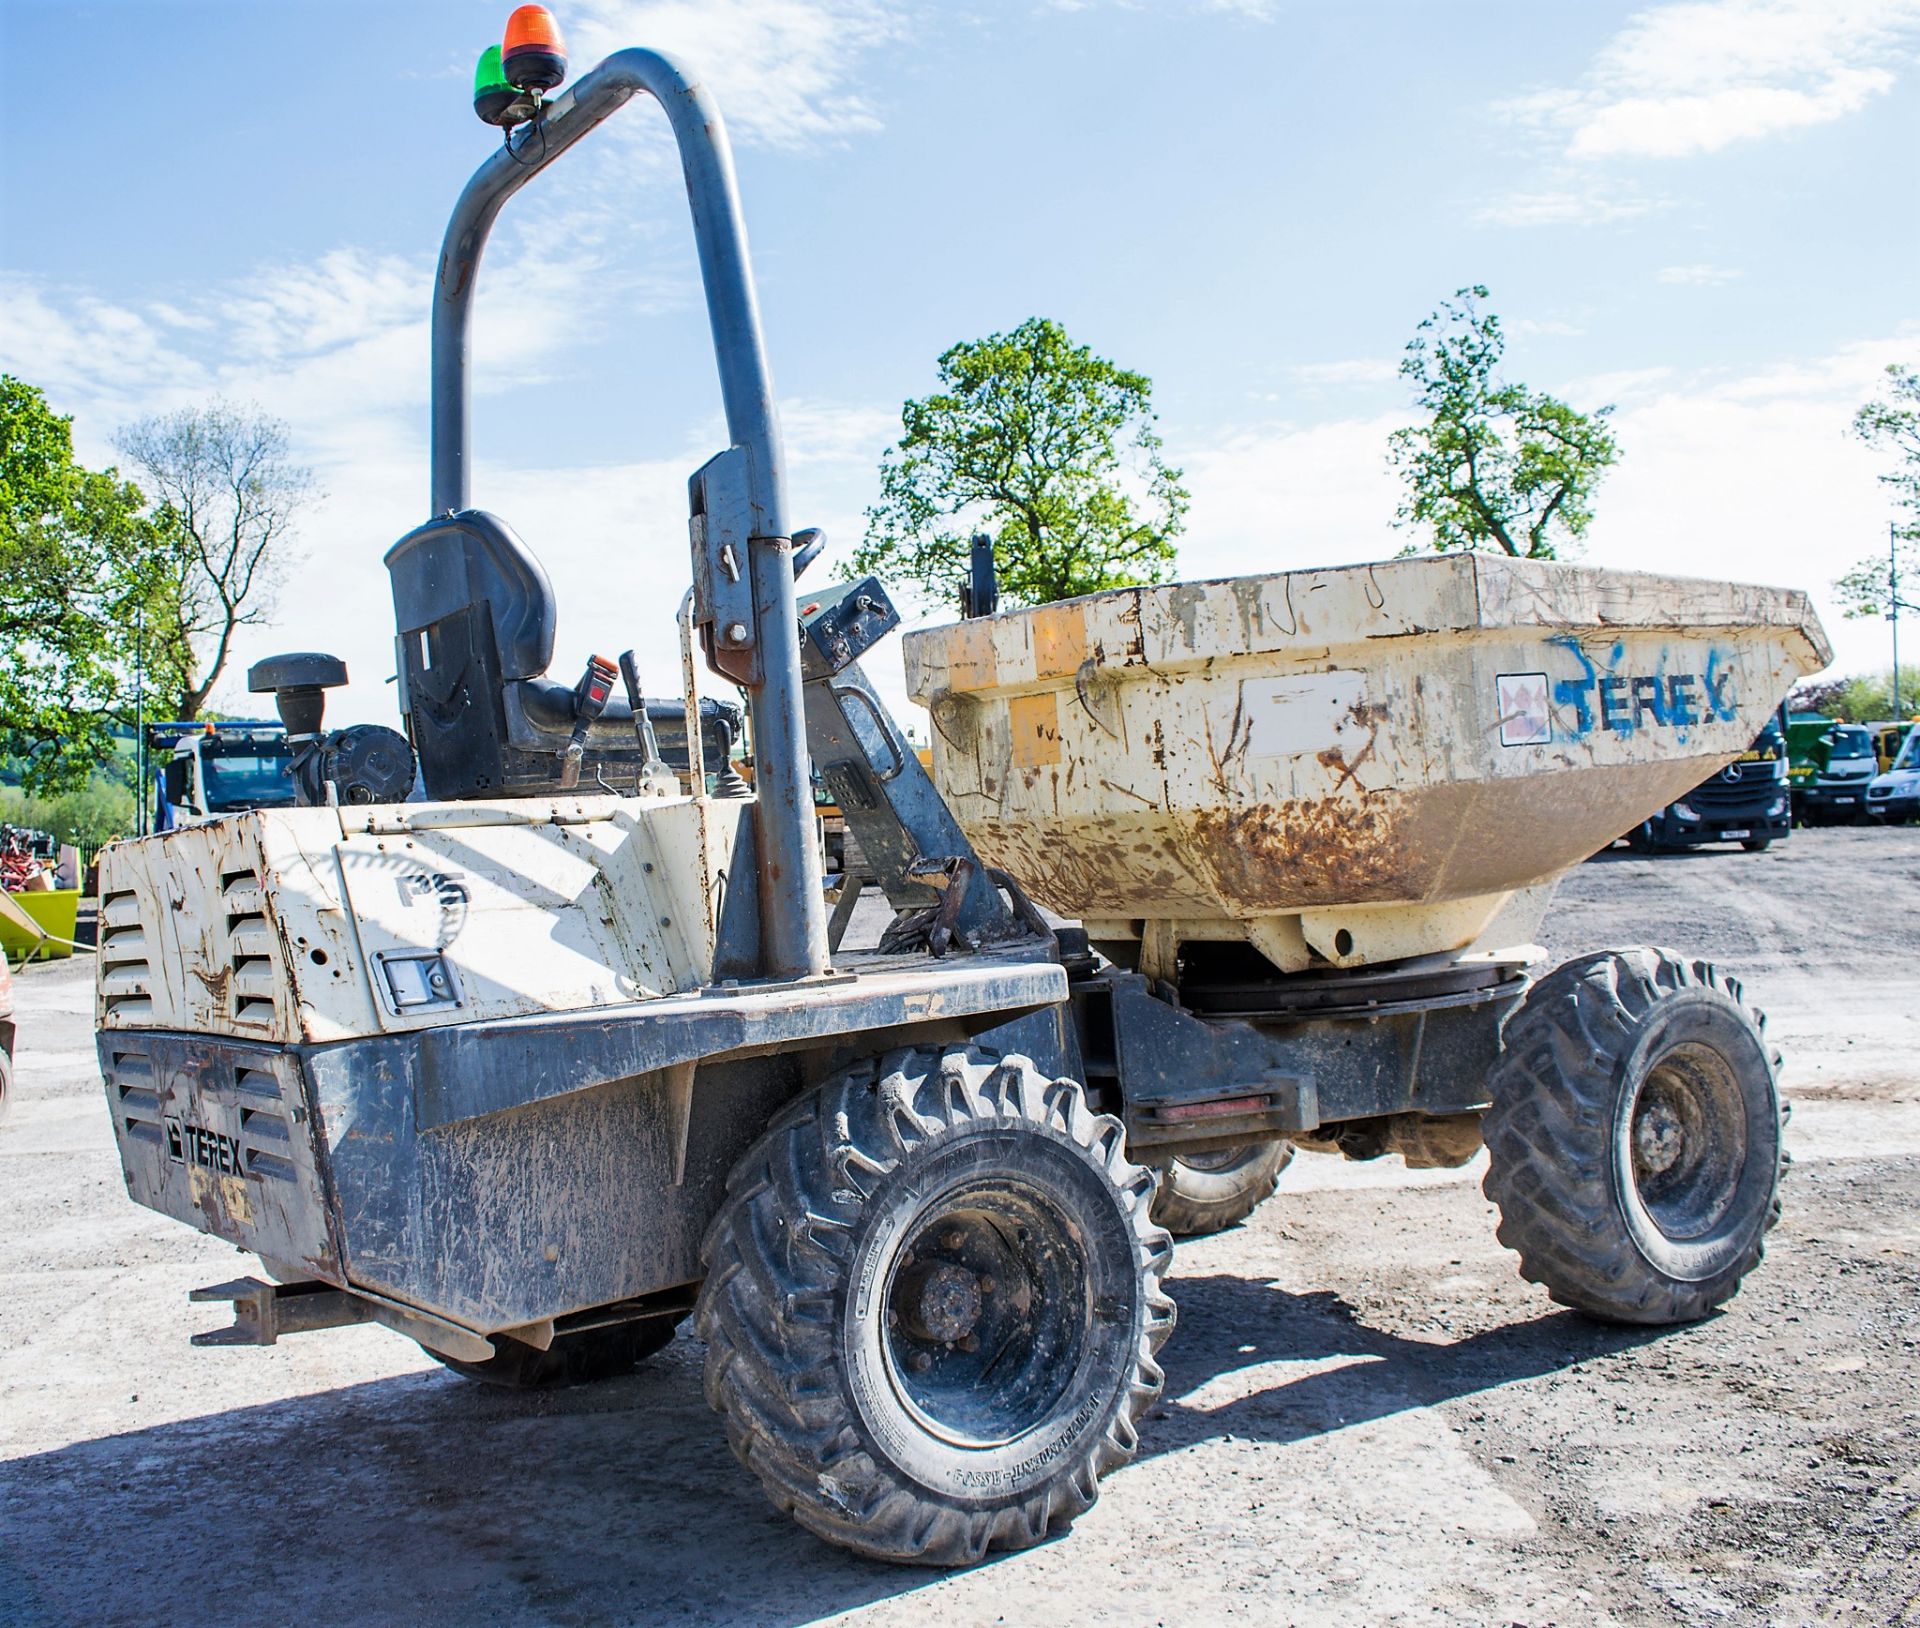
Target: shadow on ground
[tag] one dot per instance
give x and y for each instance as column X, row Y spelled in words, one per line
column 426, row 1497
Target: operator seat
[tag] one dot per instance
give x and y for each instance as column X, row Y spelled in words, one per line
column 475, row 615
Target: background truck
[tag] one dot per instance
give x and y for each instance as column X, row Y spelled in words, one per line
column 1805, row 731
column 1895, row 795
column 531, row 1071
column 1844, row 767
column 219, row 768
column 1748, row 802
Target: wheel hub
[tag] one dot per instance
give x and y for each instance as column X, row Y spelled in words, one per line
column 1688, row 1140
column 942, row 1301
column 1658, row 1138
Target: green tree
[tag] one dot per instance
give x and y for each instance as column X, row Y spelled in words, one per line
column 78, row 569
column 231, row 494
column 1891, row 423
column 1046, row 446
column 1496, row 466
column 1865, row 698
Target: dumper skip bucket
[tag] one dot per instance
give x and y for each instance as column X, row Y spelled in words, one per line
column 1343, row 766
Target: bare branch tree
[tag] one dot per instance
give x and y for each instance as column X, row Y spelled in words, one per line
column 223, row 476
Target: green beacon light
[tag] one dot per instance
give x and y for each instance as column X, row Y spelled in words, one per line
column 495, row 100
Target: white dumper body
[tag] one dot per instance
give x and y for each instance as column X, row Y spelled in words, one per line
column 1343, row 766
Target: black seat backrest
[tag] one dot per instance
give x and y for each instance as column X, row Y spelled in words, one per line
column 471, row 558
column 475, row 616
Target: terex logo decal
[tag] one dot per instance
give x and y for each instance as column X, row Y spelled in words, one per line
column 1623, row 702
column 188, row 1143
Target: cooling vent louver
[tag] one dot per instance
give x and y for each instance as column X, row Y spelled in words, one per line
column 126, row 973
column 251, row 941
column 266, row 1140
column 133, row 1085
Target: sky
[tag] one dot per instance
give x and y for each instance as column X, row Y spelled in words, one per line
column 1703, row 212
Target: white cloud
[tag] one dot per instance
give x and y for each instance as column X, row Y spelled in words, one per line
column 1702, row 75
column 1625, row 384
column 1544, row 328
column 1752, row 478
column 1697, row 276
column 1354, row 370
column 783, row 71
column 1571, row 200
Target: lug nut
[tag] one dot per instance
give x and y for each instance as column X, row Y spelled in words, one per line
column 921, row 1362
column 986, row 1285
column 954, row 1239
column 970, row 1342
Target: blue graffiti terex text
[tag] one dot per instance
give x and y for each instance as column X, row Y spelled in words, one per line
column 1608, row 698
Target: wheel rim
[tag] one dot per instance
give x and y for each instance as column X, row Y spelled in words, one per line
column 1687, row 1140
column 987, row 1314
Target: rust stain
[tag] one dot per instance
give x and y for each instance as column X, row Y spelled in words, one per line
column 214, row 982
column 1264, row 858
column 1369, row 715
column 1323, row 851
column 1135, row 653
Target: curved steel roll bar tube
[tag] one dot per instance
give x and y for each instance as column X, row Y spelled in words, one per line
column 793, row 926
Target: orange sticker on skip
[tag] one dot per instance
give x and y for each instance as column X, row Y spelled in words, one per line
column 1035, row 724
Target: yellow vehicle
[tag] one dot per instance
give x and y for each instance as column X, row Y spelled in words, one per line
column 1888, row 738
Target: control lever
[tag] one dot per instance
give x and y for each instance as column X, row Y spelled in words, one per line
column 653, row 768
column 590, row 698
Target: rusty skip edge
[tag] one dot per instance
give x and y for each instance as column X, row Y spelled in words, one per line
column 468, row 1071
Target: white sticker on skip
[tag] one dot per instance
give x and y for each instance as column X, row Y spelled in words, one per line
column 1307, row 713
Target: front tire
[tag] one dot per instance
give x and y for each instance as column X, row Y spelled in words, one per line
column 1635, row 1136
column 1757, row 845
column 932, row 1306
column 1210, row 1192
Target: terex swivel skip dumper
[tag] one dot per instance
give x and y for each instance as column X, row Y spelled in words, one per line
column 535, row 1069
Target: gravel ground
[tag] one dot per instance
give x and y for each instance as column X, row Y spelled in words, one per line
column 1368, row 1416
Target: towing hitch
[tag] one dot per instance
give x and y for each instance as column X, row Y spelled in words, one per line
column 262, row 1312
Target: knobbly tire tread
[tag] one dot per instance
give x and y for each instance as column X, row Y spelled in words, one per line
column 1188, row 1213
column 584, row 1358
column 769, row 1308
column 1548, row 1136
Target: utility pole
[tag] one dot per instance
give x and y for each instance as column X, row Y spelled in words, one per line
column 140, row 717
column 1895, row 605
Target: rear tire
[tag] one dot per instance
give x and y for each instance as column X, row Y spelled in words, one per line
column 1635, row 1136
column 1211, row 1192
column 932, row 1306
column 582, row 1358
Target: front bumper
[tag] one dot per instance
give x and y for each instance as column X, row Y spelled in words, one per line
column 1836, row 799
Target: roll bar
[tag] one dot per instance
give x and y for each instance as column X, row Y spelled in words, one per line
column 793, row 931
